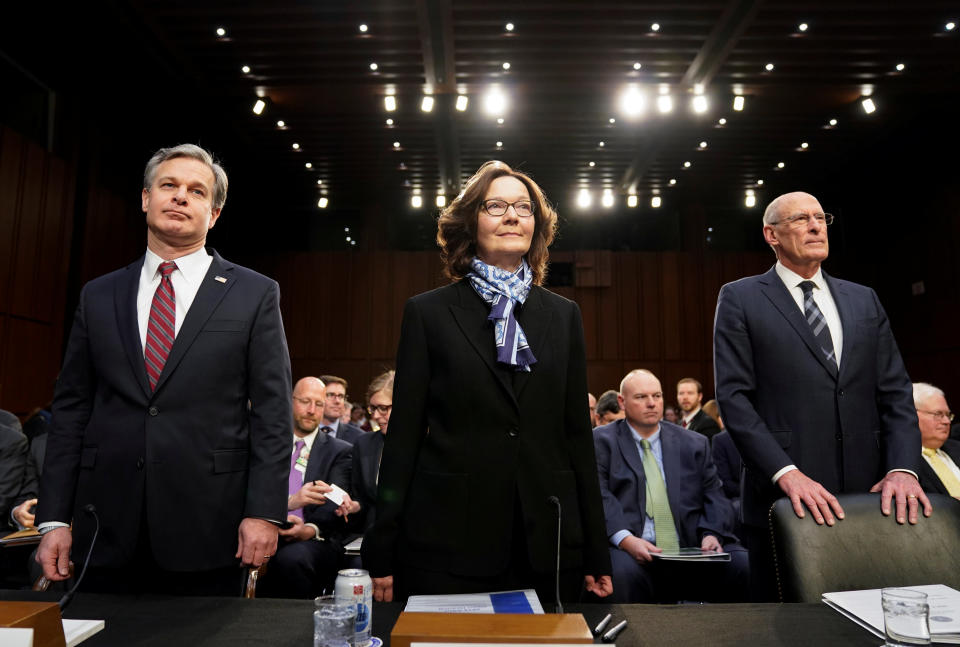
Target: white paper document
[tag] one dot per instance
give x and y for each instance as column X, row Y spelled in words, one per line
column 499, row 602
column 336, row 494
column 691, row 555
column 865, row 608
column 353, row 548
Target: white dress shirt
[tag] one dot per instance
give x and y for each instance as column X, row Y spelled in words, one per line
column 186, row 281
column 821, row 296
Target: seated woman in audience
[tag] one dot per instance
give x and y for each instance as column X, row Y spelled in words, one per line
column 489, row 439
column 367, row 451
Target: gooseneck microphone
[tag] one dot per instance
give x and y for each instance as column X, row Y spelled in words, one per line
column 556, row 503
column 91, row 510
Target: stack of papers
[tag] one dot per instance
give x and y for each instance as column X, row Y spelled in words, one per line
column 502, row 602
column 691, row 555
column 865, row 608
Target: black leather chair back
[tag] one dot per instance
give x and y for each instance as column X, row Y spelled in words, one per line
column 865, row 550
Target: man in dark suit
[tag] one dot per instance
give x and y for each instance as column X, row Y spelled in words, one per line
column 308, row 557
column 811, row 385
column 940, row 467
column 13, row 463
column 171, row 414
column 333, row 410
column 681, row 506
column 690, row 397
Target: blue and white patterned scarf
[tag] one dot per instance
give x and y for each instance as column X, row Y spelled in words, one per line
column 502, row 290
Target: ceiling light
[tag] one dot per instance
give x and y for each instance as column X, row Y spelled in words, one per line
column 389, row 122
column 427, row 104
column 506, row 65
column 703, row 145
column 698, row 88
column 804, row 145
column 258, row 106
column 323, row 202
column 500, row 121
column 655, row 202
column 901, row 67
column 601, row 144
column 373, row 67
column 416, row 201
column 584, row 199
column 508, row 26
column 612, row 120
column 673, row 181
column 632, row 102
column 803, row 26
column 759, row 182
column 632, row 201
column 699, row 104
column 637, row 66
column 722, row 121
column 281, row 123
column 664, row 103
column 655, row 27
column 499, row 144
column 221, row 32
column 768, row 67
column 686, row 165
column 363, row 28
column 738, row 102
column 868, row 106
column 246, row 69
column 462, row 101
column 833, row 122
column 780, row 165
column 607, row 199
column 390, row 103
column 348, row 239
column 441, row 200
column 295, row 146
column 950, row 26
column 353, row 242
column 750, row 201
column 308, row 165
column 591, row 164
column 396, row 144
column 319, row 182
column 495, row 102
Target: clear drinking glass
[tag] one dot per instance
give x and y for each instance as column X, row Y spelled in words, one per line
column 905, row 617
column 333, row 623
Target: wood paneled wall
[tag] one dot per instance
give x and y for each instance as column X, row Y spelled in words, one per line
column 36, row 222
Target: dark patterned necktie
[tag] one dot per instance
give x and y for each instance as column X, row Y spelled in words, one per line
column 818, row 324
column 161, row 328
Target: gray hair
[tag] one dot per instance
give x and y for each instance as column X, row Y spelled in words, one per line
column 195, row 152
column 923, row 391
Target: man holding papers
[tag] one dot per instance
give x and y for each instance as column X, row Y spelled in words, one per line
column 661, row 493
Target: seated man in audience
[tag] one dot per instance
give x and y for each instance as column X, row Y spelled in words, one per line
column 608, row 408
column 26, row 500
column 940, row 468
column 333, row 407
column 13, row 463
column 309, row 552
column 592, row 405
column 661, row 492
column 689, row 397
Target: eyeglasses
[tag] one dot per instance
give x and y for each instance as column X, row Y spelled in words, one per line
column 497, row 208
column 803, row 219
column 336, row 396
column 382, row 409
column 306, row 402
column 939, row 414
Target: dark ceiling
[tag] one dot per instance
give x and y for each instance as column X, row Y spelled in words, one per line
column 569, row 64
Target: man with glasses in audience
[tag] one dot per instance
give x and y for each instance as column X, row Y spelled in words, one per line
column 812, row 386
column 940, row 467
column 333, row 409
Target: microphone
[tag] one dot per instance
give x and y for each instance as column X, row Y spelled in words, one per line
column 556, row 502
column 91, row 510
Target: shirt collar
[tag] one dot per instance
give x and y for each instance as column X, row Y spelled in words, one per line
column 791, row 279
column 637, row 437
column 690, row 416
column 334, row 426
column 192, row 266
column 308, row 439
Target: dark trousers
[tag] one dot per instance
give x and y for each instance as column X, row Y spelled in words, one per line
column 301, row 569
column 763, row 573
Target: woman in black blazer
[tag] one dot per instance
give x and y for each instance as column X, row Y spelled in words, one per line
column 489, row 434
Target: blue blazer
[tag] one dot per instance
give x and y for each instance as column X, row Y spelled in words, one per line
column 783, row 403
column 696, row 496
column 209, row 447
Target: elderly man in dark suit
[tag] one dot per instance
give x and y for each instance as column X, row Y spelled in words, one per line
column 661, row 492
column 940, row 467
column 171, row 414
column 811, row 385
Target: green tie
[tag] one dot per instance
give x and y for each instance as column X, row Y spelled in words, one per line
column 658, row 506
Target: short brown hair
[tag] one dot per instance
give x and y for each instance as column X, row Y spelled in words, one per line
column 333, row 379
column 679, row 382
column 382, row 382
column 457, row 225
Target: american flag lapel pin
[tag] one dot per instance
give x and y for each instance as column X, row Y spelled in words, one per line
column 220, row 278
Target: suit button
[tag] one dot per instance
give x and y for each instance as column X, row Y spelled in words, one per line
column 153, row 411
column 838, row 436
column 840, row 393
column 140, row 463
column 514, row 432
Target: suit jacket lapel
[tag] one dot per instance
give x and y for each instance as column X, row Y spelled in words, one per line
column 777, row 292
column 125, row 305
column 669, row 449
column 208, row 297
column 471, row 317
column 838, row 291
column 628, row 448
column 371, row 466
column 535, row 319
column 314, row 463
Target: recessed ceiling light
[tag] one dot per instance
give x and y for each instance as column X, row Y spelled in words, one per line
column 722, row 121
column 637, row 66
column 441, row 200
column 703, row 145
column 416, row 201
column 632, row 201
column 396, row 144
column 500, row 121
column 462, row 102
column 495, row 102
column 427, row 104
column 389, row 122
column 768, row 67
column 750, row 200
column 664, row 103
column 780, row 165
column 607, row 198
column 804, row 145
column 759, row 182
column 901, row 67
column 655, row 27
column 258, row 106
column 738, row 102
column 245, row 69
column 308, row 165
column 833, row 122
column 950, row 26
column 348, row 239
column 633, row 102
column 295, row 146
column 221, row 32
column 508, row 26
column 363, row 28
column 601, row 144
column 868, row 105
column 612, row 120
column 390, row 103
column 281, row 123
column 373, row 67
column 655, row 202
column 686, row 165
column 322, row 203
column 320, row 182
column 591, row 164
column 584, row 199
column 346, row 230
column 673, row 181
column 499, row 144
column 506, row 65
column 803, row 26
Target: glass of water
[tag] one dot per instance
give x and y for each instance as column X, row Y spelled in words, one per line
column 905, row 617
column 333, row 623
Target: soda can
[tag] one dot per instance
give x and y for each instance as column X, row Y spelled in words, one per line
column 355, row 586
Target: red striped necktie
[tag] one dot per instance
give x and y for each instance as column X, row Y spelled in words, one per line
column 161, row 328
